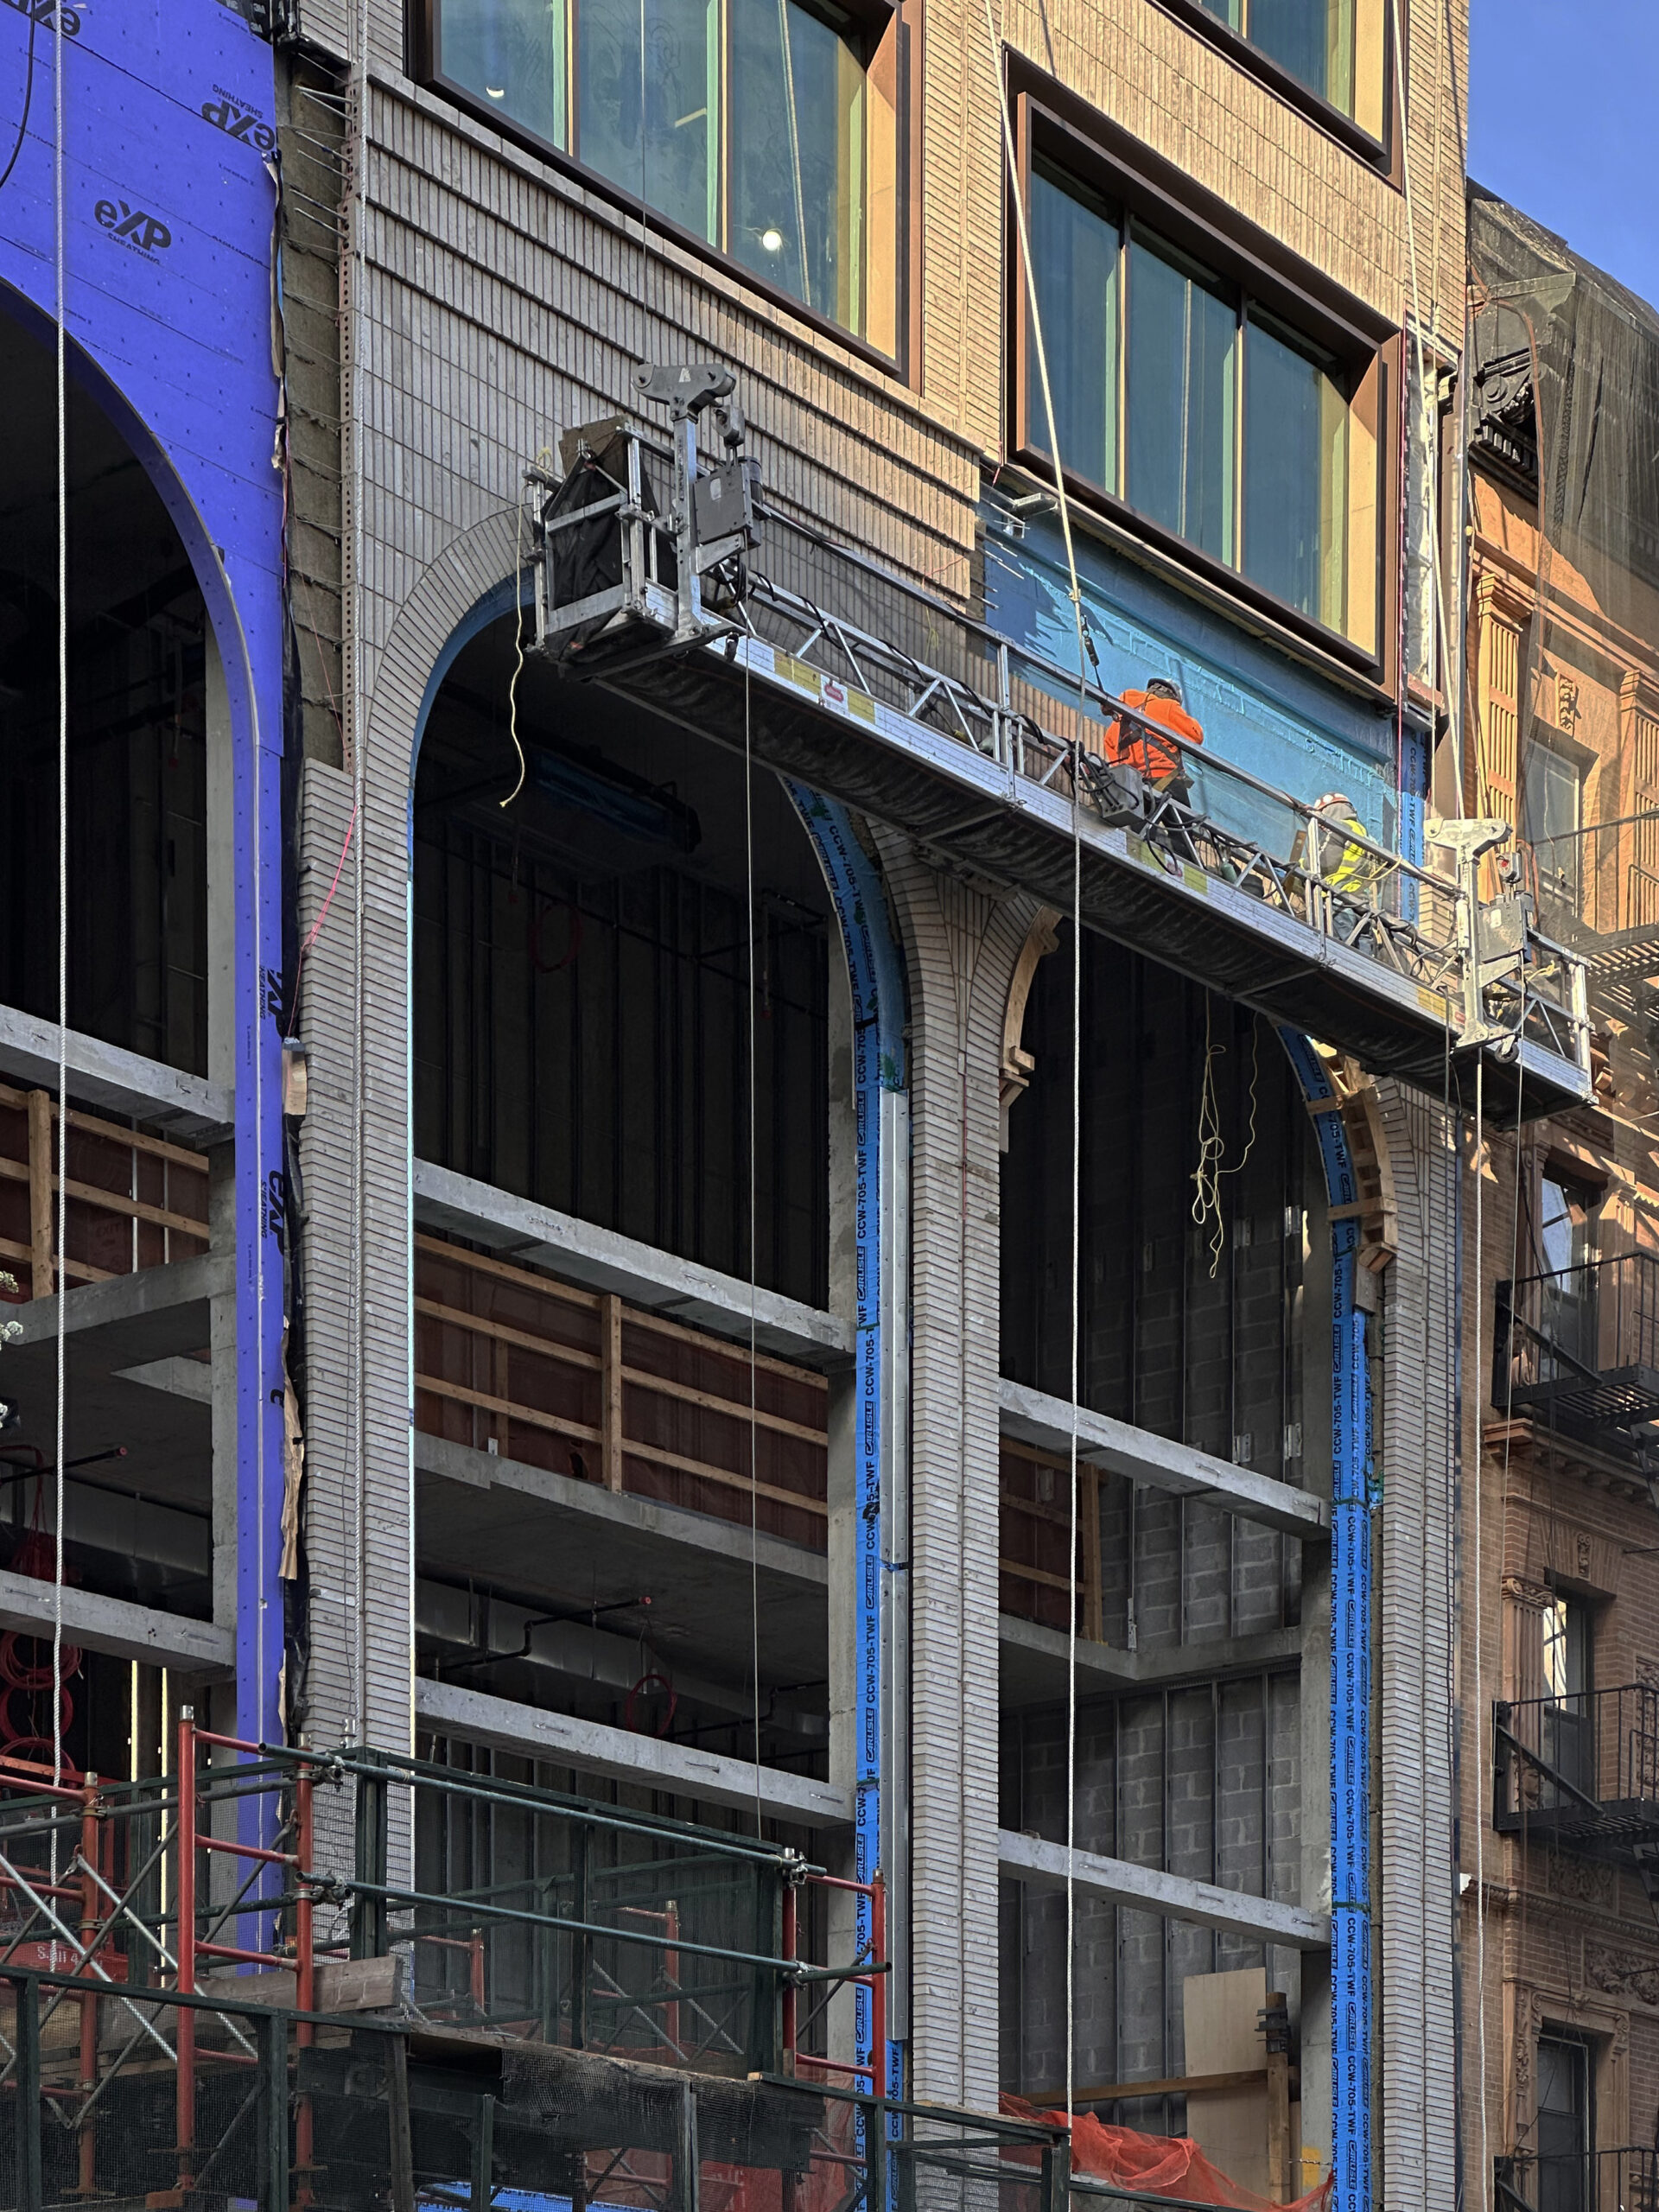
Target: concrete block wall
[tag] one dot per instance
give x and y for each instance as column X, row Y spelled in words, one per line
column 1203, row 1780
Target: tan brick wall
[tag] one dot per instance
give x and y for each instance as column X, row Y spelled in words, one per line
column 504, row 301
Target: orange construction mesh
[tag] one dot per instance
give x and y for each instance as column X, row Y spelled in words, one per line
column 1158, row 2165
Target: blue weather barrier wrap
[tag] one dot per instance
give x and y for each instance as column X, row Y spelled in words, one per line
column 168, row 197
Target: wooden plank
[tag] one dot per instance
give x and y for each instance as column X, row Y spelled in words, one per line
column 135, row 1139
column 637, row 1316
column 482, row 1263
column 103, row 1201
column 595, row 1363
column 1220, row 2013
column 532, row 1417
column 644, row 1379
column 457, row 1317
column 1036, row 1574
column 717, row 1348
column 38, row 1175
column 610, row 1323
column 659, row 1457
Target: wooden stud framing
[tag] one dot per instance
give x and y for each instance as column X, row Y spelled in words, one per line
column 610, row 1323
column 38, row 1175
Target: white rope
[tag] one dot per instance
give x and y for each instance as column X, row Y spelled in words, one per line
column 754, row 1471
column 1071, row 1565
column 61, row 1281
column 1480, row 1732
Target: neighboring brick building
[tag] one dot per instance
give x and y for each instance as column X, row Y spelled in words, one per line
column 1565, row 743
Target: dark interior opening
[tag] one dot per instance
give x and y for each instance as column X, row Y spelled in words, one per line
column 582, row 1012
column 138, row 730
column 1185, row 1323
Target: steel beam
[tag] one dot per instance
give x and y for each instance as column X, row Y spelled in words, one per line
column 1117, row 1881
column 1033, row 1417
column 599, row 1259
column 528, row 1731
column 119, row 1628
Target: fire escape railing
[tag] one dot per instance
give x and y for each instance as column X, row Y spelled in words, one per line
column 1581, row 1771
column 1625, row 2179
column 1580, row 1346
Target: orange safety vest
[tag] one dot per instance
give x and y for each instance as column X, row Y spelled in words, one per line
column 1159, row 764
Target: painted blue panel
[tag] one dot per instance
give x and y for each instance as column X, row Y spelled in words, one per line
column 1273, row 717
column 168, row 202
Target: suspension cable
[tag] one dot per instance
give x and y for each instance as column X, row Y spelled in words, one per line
column 754, row 1473
column 61, row 1272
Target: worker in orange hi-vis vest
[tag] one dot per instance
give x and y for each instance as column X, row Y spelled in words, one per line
column 1164, row 766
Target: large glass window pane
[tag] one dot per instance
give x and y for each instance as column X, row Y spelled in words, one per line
column 1182, row 337
column 1313, row 40
column 647, row 103
column 1295, row 476
column 1549, row 821
column 509, row 54
column 1074, row 245
column 797, row 155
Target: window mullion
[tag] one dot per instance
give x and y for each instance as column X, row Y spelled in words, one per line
column 1120, row 366
column 1239, row 398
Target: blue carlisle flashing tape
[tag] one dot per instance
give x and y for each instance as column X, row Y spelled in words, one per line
column 876, row 978
column 1351, row 1658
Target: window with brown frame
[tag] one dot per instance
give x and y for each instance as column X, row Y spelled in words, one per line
column 1335, row 51
column 1187, row 398
column 767, row 129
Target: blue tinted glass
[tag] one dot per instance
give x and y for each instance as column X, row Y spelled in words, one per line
column 509, row 54
column 1181, row 340
column 659, row 59
column 793, row 129
column 1074, row 263
column 1297, row 34
column 1284, row 463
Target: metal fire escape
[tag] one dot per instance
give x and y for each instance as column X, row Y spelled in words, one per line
column 849, row 679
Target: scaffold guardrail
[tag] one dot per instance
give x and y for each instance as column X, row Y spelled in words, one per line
column 621, row 581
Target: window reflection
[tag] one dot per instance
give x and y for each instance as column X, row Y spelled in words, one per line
column 509, row 54
column 1175, row 393
column 1296, row 471
column 764, row 127
column 658, row 60
column 1333, row 47
column 1182, row 405
column 1074, row 248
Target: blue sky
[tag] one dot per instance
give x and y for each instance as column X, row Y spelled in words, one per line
column 1561, row 122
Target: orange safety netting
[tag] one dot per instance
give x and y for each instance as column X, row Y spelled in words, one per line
column 1158, row 2165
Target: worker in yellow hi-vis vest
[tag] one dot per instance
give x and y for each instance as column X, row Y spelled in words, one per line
column 1339, row 867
